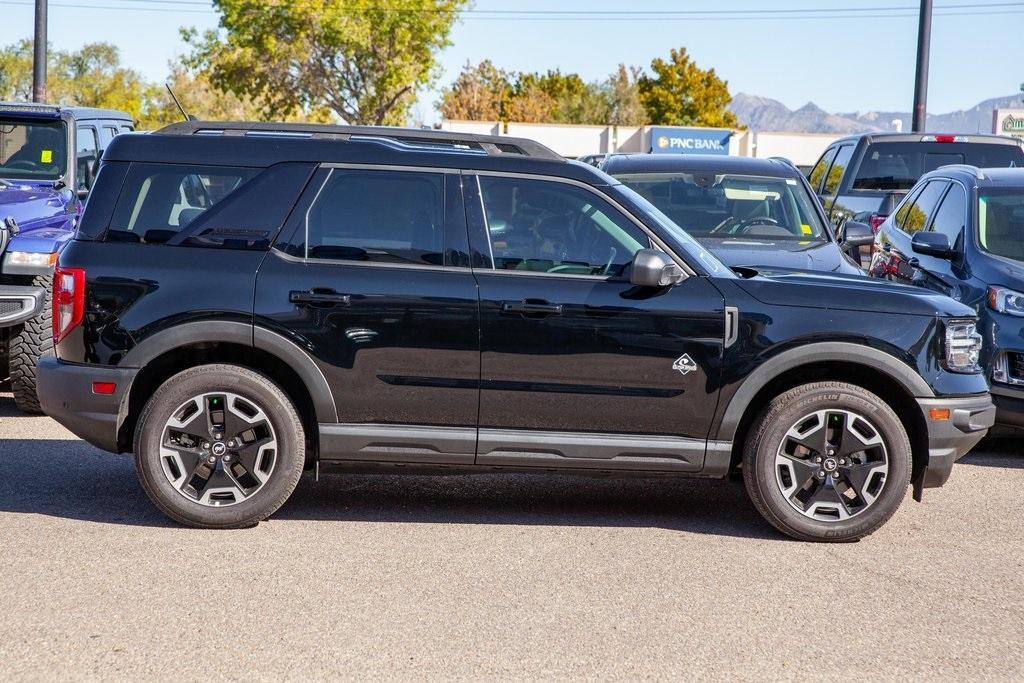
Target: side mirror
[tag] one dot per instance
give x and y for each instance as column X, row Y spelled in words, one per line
column 931, row 244
column 856, row 234
column 653, row 268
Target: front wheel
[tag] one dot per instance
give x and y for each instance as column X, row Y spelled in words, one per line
column 827, row 461
column 219, row 446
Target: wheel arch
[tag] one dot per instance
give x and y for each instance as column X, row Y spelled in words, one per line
column 880, row 373
column 163, row 355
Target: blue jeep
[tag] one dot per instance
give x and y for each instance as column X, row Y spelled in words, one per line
column 48, row 159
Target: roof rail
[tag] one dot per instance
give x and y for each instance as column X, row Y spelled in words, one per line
column 408, row 139
column 973, row 170
column 783, row 160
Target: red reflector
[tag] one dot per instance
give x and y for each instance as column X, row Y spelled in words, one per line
column 104, row 388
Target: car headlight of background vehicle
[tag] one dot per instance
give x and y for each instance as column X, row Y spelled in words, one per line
column 25, row 259
column 963, row 346
column 1006, row 300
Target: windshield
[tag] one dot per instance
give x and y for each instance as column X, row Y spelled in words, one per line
column 1001, row 221
column 692, row 246
column 33, row 150
column 898, row 165
column 726, row 205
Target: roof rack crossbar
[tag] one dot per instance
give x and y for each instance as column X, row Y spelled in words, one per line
column 404, row 138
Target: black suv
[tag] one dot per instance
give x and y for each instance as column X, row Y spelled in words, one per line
column 244, row 301
column 960, row 232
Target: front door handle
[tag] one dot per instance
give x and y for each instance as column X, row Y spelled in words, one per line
column 530, row 307
column 319, row 296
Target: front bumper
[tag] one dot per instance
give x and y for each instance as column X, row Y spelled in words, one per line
column 949, row 440
column 19, row 303
column 66, row 394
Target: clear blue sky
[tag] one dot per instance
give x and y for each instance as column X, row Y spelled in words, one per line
column 858, row 62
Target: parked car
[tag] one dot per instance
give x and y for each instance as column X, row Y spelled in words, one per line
column 864, row 177
column 960, row 232
column 748, row 212
column 48, row 159
column 244, row 301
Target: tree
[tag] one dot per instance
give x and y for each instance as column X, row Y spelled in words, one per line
column 683, row 94
column 622, row 95
column 89, row 77
column 361, row 59
column 479, row 93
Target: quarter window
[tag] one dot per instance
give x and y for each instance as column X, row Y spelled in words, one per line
column 159, row 200
column 551, row 227
column 836, row 171
column 378, row 216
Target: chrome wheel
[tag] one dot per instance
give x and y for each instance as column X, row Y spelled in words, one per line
column 218, row 449
column 832, row 465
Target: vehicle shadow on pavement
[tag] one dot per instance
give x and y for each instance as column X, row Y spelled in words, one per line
column 719, row 508
column 72, row 480
column 1007, row 453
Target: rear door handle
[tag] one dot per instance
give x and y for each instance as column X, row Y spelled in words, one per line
column 319, row 296
column 531, row 307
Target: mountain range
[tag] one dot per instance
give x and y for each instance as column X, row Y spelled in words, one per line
column 763, row 113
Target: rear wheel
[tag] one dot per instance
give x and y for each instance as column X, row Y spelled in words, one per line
column 827, row 461
column 219, row 446
column 28, row 343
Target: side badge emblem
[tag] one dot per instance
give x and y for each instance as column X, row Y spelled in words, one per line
column 684, row 364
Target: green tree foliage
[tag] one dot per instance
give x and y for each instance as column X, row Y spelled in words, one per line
column 487, row 93
column 90, row 77
column 361, row 59
column 682, row 94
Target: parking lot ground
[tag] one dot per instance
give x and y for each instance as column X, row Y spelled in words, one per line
column 495, row 577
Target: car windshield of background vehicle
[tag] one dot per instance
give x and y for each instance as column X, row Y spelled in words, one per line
column 33, row 150
column 727, row 206
column 1001, row 222
column 694, row 248
column 899, row 165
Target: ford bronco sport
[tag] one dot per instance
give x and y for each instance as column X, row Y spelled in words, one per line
column 48, row 157
column 245, row 301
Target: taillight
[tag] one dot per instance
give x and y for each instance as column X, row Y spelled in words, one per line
column 68, row 301
column 875, row 221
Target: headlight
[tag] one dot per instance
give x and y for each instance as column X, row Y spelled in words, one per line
column 963, row 346
column 25, row 259
column 1006, row 301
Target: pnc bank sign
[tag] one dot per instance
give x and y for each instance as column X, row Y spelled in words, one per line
column 665, row 140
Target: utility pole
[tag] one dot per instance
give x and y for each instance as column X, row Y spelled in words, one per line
column 924, row 39
column 39, row 54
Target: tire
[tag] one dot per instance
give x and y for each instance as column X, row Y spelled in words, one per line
column 29, row 342
column 795, row 492
column 165, row 471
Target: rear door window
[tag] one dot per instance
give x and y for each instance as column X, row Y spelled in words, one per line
column 835, row 172
column 918, row 215
column 951, row 216
column 379, row 217
column 159, row 200
column 818, row 172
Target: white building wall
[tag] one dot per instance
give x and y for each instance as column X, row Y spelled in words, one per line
column 566, row 139
column 803, row 149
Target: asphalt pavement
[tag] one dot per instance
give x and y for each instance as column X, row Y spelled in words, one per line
column 496, row 577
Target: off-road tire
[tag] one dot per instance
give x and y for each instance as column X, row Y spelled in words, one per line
column 29, row 342
column 254, row 387
column 765, row 437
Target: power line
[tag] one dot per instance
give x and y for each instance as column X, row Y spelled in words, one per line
column 873, row 12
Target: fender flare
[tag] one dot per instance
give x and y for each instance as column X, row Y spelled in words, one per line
column 244, row 334
column 897, row 370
